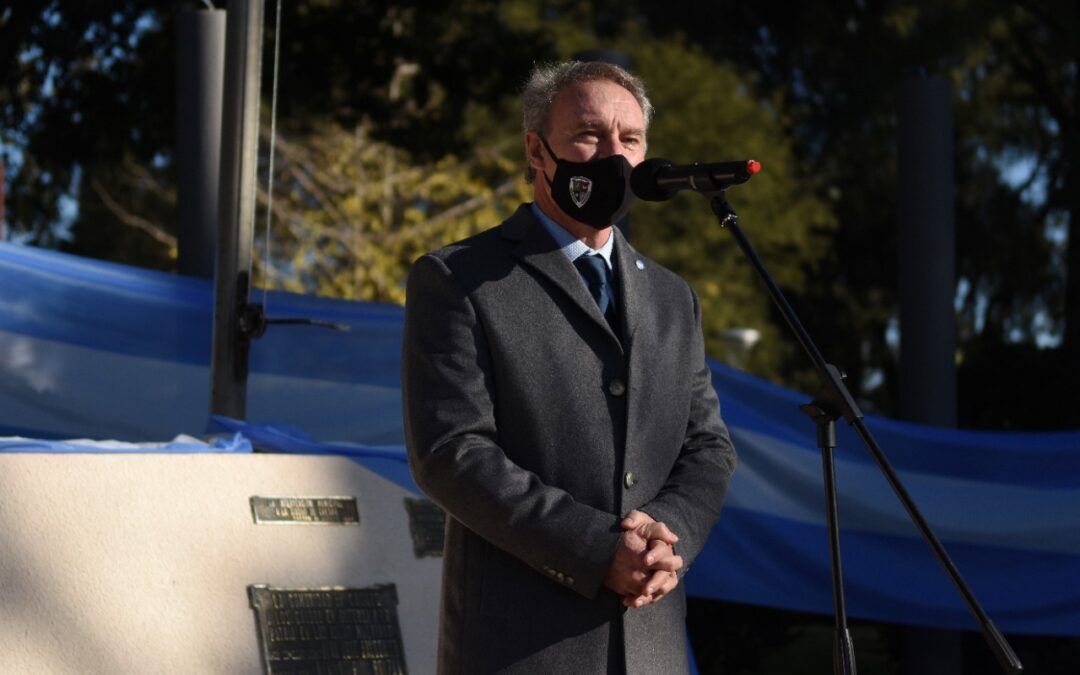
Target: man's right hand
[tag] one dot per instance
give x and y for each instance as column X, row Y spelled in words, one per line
column 630, row 573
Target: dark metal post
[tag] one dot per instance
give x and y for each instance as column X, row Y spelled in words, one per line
column 926, row 236
column 239, row 149
column 200, row 70
column 927, row 252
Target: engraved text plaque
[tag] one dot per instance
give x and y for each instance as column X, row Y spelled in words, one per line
column 330, row 630
column 305, row 510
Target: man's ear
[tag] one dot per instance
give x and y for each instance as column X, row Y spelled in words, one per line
column 534, row 151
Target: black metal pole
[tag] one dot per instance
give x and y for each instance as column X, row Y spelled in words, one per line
column 926, row 243
column 200, row 71
column 239, row 154
column 926, row 246
column 835, row 401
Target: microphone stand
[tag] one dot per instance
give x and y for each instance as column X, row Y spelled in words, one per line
column 832, row 402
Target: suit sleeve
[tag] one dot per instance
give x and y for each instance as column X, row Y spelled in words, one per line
column 452, row 440
column 691, row 498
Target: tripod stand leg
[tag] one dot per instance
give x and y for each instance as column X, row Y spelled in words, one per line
column 843, row 648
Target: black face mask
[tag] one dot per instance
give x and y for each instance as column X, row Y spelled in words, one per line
column 596, row 193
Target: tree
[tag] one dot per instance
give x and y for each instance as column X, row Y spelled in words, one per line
column 87, row 109
column 82, row 132
column 1020, row 80
column 1013, row 67
column 709, row 109
column 351, row 214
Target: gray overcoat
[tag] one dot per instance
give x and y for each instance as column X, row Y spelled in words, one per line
column 537, row 428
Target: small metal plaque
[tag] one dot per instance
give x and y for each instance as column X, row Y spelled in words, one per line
column 427, row 523
column 332, row 630
column 305, row 510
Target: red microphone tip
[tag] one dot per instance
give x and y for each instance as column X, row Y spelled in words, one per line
column 753, row 166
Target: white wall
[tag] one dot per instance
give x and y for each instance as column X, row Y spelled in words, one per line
column 140, row 563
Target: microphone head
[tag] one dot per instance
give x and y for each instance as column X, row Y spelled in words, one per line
column 643, row 180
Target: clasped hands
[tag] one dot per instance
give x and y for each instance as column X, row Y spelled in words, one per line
column 644, row 567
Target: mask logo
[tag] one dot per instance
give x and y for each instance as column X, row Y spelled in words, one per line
column 580, row 190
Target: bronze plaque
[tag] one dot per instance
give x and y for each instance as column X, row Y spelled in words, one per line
column 332, row 630
column 427, row 524
column 305, row 510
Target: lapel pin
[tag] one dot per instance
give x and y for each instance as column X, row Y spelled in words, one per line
column 640, row 264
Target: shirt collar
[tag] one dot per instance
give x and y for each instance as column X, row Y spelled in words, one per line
column 573, row 247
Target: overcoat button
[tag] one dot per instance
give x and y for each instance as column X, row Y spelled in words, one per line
column 616, row 388
column 629, row 480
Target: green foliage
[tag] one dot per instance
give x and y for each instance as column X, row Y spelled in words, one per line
column 409, row 69
column 709, row 110
column 351, row 214
column 90, row 96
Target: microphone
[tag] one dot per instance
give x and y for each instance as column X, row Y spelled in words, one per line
column 657, row 180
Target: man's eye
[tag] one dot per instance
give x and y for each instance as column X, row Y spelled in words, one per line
column 633, row 141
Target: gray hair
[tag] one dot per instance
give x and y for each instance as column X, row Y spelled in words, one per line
column 549, row 79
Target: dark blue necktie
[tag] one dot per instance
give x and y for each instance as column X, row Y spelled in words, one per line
column 597, row 277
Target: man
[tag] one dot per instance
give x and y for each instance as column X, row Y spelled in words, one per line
column 558, row 407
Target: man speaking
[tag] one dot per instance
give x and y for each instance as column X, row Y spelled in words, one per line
column 558, row 407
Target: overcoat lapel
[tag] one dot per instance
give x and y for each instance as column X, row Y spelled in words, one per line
column 632, row 288
column 537, row 249
column 636, row 307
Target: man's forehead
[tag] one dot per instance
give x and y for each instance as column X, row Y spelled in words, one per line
column 588, row 121
column 593, row 101
column 598, row 90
